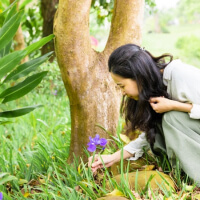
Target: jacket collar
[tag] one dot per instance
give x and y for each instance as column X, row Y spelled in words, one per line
column 167, row 74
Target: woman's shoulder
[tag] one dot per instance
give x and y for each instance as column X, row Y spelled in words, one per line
column 177, row 68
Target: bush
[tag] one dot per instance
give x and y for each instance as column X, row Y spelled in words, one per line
column 189, row 46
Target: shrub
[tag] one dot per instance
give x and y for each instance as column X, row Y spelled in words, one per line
column 10, row 67
column 189, row 46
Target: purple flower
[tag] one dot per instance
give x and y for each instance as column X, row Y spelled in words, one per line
column 92, row 145
column 1, row 196
column 103, row 142
column 55, row 92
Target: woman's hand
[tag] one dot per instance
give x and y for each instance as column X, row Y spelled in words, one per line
column 97, row 163
column 161, row 104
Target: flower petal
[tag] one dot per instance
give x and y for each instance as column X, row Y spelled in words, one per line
column 97, row 139
column 97, row 136
column 90, row 143
column 103, row 141
column 1, row 196
column 91, row 148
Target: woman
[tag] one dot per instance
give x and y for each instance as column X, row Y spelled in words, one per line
column 162, row 100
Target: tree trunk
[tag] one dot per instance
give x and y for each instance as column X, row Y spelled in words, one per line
column 20, row 43
column 157, row 23
column 48, row 9
column 94, row 98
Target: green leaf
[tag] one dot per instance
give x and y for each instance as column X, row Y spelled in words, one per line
column 2, row 174
column 5, row 196
column 18, row 112
column 5, row 122
column 12, row 12
column 24, row 3
column 10, row 61
column 39, row 44
column 22, row 88
column 6, row 49
column 27, row 67
column 7, row 178
column 4, row 12
column 9, row 29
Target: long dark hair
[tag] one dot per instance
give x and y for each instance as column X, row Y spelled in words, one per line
column 131, row 61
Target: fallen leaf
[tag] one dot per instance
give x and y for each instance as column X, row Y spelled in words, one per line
column 22, row 181
column 115, row 192
column 148, row 167
column 196, row 197
column 170, row 198
column 189, row 188
column 26, row 194
column 34, row 182
column 124, row 138
column 41, row 180
column 79, row 169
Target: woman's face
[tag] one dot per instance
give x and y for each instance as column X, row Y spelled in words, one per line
column 128, row 86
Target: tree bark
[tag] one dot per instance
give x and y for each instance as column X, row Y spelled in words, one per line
column 20, row 43
column 48, row 9
column 94, row 98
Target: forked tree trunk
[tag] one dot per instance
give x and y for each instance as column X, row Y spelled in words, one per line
column 94, row 98
column 48, row 9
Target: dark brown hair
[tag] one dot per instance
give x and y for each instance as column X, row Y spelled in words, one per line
column 131, row 61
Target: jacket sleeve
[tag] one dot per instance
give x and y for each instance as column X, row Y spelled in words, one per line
column 136, row 147
column 183, row 82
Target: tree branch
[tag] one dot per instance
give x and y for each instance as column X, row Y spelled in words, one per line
column 71, row 28
column 126, row 24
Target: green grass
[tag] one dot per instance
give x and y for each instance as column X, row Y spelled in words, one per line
column 31, row 144
column 34, row 148
column 159, row 43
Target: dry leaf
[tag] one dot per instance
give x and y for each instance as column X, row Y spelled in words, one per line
column 22, row 181
column 170, row 198
column 28, row 165
column 124, row 138
column 41, row 180
column 115, row 192
column 189, row 188
column 79, row 169
column 148, row 167
column 34, row 182
column 196, row 197
column 26, row 194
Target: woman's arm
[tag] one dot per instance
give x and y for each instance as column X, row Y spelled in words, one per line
column 182, row 81
column 108, row 160
column 161, row 104
column 117, row 155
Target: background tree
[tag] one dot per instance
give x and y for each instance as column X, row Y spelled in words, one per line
column 94, row 98
column 19, row 42
column 189, row 11
column 48, row 9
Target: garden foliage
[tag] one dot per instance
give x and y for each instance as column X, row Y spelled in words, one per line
column 11, row 71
